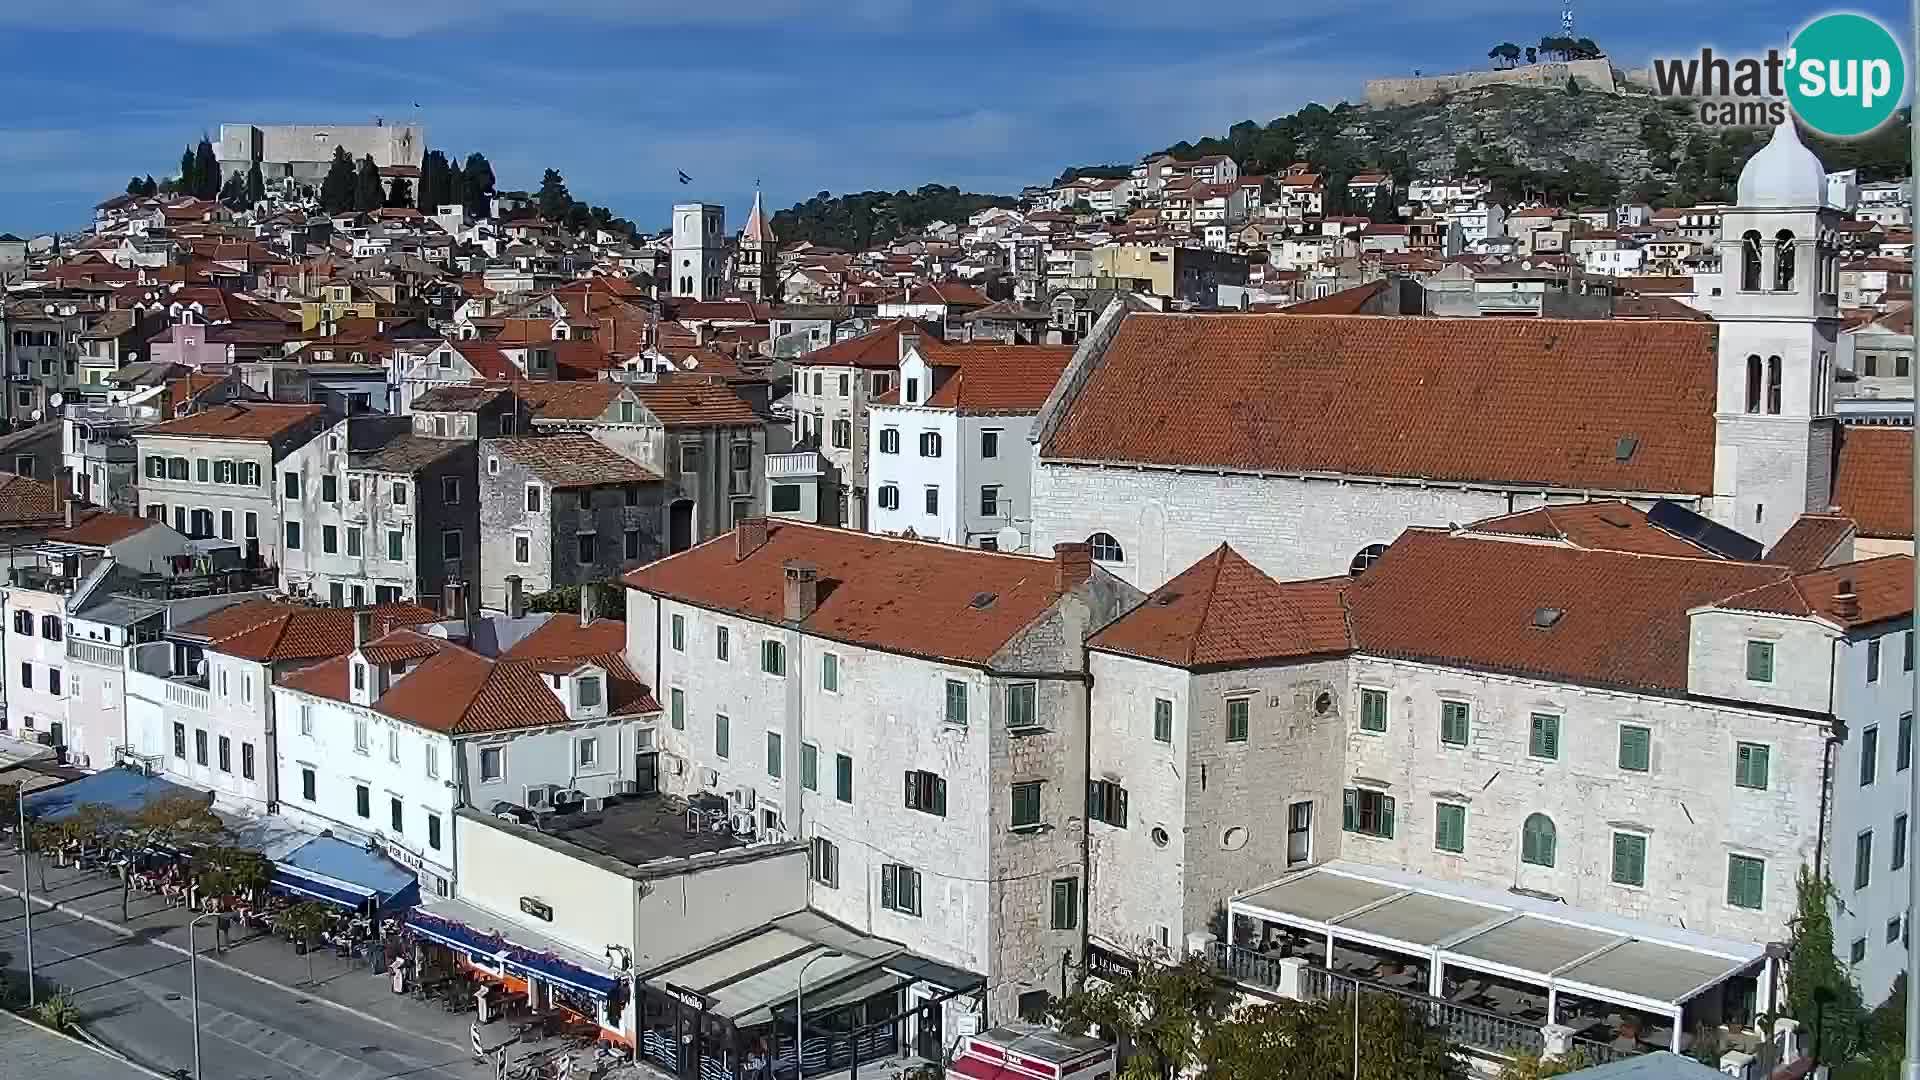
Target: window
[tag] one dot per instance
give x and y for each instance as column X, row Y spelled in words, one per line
column 1894, row 926
column 493, row 763
column 450, row 544
column 395, row 815
column 1373, row 710
column 677, row 633
column 1106, row 802
column 1873, row 660
column 830, row 672
column 450, row 490
column 926, row 792
column 900, row 889
column 930, row 444
column 308, row 783
column 912, row 394
column 586, row 540
column 1023, row 705
column 433, row 761
column 1760, row 661
column 1906, row 651
column 253, row 525
column 225, row 758
column 329, row 539
column 956, row 710
column 990, row 500
column 989, row 444
column 1026, row 804
column 889, row 440
column 1746, row 881
column 394, row 546
column 889, row 497
column 180, row 741
column 784, row 498
column 1066, row 903
column 823, row 861
column 722, row 735
column 246, row 761
column 1899, row 841
column 1869, row 755
column 773, row 658
column 1449, row 827
column 1237, row 713
column 842, row 433
column 933, row 499
column 1629, row 859
column 843, row 777
column 1857, row 953
column 1903, row 750
column 399, row 493
column 200, row 746
column 1543, row 739
column 353, row 489
column 1750, row 766
column 353, row 541
column 362, row 801
column 1162, row 720
column 433, row 831
column 290, row 484
column 533, row 498
column 1367, row 812
column 1105, row 548
column 293, row 536
column 1636, row 748
column 677, row 708
column 329, row 488
column 1537, row 840
column 1454, row 718
column 810, row 766
column 360, row 740
column 306, row 719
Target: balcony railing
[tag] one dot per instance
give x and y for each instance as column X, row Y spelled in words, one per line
column 186, row 696
column 93, row 652
column 805, row 463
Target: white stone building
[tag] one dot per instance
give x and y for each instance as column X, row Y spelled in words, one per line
column 833, row 388
column 916, row 711
column 951, row 446
column 214, row 473
column 699, row 251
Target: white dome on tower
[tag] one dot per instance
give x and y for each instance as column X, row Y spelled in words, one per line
column 1783, row 173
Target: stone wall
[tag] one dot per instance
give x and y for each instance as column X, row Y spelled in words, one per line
column 1592, row 74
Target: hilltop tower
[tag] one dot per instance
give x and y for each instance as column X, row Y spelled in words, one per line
column 699, row 250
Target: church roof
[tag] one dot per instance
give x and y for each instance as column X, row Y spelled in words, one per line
column 757, row 228
column 1597, row 405
column 1783, row 173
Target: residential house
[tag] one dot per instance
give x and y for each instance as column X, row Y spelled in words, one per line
column 216, row 472
column 941, row 303
column 561, row 510
column 833, row 388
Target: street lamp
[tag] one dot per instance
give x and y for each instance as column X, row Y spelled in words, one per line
column 26, row 885
column 799, row 1017
column 193, row 983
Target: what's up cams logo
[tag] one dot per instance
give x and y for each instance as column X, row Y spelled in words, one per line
column 1843, row 75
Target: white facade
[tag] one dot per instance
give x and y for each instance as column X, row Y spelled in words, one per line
column 212, row 488
column 699, row 251
column 208, row 717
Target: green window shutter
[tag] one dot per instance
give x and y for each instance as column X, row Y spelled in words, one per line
column 1636, row 745
column 888, row 885
column 679, row 699
column 1450, row 827
column 1746, row 879
column 1545, row 737
column 1162, row 720
column 1373, row 710
column 1454, row 720
column 1750, row 766
column 809, row 767
column 1629, row 859
column 1386, row 816
column 720, row 747
column 1347, row 810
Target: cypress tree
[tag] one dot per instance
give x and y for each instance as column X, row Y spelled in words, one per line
column 148, row 187
column 336, row 191
column 188, row 184
column 479, row 178
column 256, row 185
column 206, row 171
column 368, row 193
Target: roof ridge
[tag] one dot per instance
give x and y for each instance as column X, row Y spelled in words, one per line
column 1218, row 557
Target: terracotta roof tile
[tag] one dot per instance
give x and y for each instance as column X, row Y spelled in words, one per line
column 572, row 461
column 1345, row 302
column 577, row 400
column 101, row 528
column 877, row 348
column 1599, row 526
column 25, row 501
column 272, row 630
column 1873, row 484
column 695, row 402
column 238, row 420
column 996, row 378
column 904, row 596
column 1517, row 401
column 1883, row 590
column 1811, row 540
column 1223, row 611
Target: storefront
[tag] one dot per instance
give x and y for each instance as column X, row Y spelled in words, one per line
column 335, row 872
column 552, row 975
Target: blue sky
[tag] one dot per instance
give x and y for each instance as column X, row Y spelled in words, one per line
column 803, row 95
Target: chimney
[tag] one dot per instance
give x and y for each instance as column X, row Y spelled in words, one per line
column 70, row 505
column 1846, row 604
column 589, row 604
column 1072, row 566
column 802, row 589
column 909, row 341
column 453, row 600
column 748, row 537
column 362, row 627
column 516, row 599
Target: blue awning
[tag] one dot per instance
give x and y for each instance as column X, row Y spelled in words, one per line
column 452, row 923
column 332, row 870
column 458, row 936
column 554, row 969
column 119, row 788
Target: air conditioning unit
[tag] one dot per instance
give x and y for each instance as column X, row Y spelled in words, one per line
column 541, row 795
column 743, row 798
column 592, row 804
column 625, row 787
column 741, row 823
column 709, row 779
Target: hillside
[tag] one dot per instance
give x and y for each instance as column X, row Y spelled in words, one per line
column 855, row 222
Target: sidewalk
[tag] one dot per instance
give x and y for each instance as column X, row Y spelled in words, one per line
column 345, row 983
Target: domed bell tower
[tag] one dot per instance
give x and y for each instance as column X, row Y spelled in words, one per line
column 1779, row 323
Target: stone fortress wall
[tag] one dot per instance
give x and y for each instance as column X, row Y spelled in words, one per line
column 1592, row 74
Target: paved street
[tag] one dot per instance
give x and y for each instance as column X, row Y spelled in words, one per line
column 134, row 997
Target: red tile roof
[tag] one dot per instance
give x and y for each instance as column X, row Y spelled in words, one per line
column 1495, row 400
column 574, row 400
column 903, row 596
column 1345, row 302
column 878, row 348
column 996, row 378
column 101, row 528
column 573, row 461
column 696, row 402
column 1600, row 526
column 1873, row 484
column 239, row 420
column 26, row 502
column 1222, row 611
column 1811, row 540
column 270, row 630
column 1883, row 590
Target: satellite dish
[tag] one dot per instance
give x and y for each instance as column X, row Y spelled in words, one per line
column 56, row 400
column 49, row 309
column 36, row 416
column 1008, row 539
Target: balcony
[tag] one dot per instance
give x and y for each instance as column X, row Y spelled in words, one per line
column 95, row 653
column 787, row 466
column 186, row 695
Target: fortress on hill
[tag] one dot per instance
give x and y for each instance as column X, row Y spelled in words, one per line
column 1591, row 74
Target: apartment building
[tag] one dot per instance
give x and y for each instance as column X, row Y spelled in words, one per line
column 559, row 510
column 214, row 473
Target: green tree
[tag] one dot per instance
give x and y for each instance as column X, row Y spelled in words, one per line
column 368, row 192
column 1535, row 1067
column 1321, row 1038
column 233, row 193
column 1533, row 55
column 399, row 192
column 175, row 822
column 336, row 190
column 133, row 186
column 553, row 199
column 256, row 185
column 479, row 180
column 435, row 188
column 148, row 187
column 1164, row 1012
column 1817, row 986
column 228, row 873
column 206, row 171
column 188, row 182
column 303, row 922
column 1573, row 87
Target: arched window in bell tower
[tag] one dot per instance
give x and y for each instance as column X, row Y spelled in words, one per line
column 1773, row 386
column 1783, row 261
column 1750, row 262
column 1753, row 383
